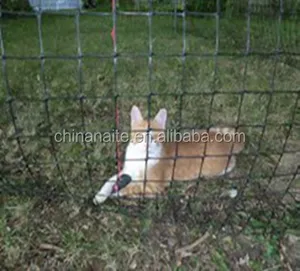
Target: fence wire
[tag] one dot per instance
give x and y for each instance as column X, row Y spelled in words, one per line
column 89, row 179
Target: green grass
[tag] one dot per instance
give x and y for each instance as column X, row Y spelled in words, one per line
column 33, row 210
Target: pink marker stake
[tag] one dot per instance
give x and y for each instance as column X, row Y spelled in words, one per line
column 113, row 36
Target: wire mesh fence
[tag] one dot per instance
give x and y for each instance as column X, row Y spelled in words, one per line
column 68, row 74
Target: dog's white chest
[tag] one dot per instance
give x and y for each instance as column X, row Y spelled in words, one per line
column 136, row 161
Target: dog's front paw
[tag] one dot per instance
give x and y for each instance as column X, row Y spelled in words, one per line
column 99, row 199
column 105, row 191
column 117, row 194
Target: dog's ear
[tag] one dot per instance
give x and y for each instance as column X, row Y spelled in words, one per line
column 161, row 118
column 136, row 115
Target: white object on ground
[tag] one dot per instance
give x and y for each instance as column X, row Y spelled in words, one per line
column 55, row 4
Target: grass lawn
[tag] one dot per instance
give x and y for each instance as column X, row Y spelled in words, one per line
column 47, row 219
